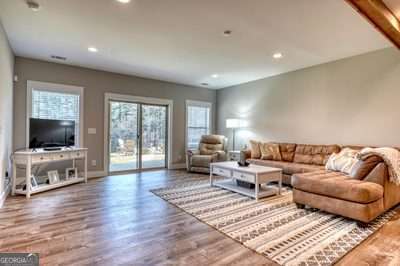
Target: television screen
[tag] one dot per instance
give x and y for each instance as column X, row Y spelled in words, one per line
column 45, row 133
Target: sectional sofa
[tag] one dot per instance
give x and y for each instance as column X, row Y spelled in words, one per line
column 362, row 196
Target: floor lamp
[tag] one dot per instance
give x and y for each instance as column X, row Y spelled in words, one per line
column 234, row 124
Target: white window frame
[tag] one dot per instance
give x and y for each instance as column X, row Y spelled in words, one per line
column 199, row 104
column 54, row 87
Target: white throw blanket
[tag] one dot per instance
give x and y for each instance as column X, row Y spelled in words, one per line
column 390, row 156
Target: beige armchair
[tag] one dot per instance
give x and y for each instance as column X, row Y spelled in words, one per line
column 212, row 148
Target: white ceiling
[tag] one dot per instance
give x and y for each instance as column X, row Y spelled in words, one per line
column 182, row 41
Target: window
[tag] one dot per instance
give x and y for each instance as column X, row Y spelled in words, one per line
column 55, row 101
column 198, row 122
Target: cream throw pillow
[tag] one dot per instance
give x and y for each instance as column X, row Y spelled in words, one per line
column 255, row 149
column 270, row 151
column 344, row 161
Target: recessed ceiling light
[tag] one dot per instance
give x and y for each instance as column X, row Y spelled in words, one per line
column 93, row 49
column 277, row 55
column 33, row 5
column 204, row 84
column 124, row 1
column 215, row 76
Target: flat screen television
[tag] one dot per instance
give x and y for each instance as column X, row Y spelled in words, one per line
column 46, row 133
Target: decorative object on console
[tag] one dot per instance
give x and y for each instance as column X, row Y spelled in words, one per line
column 234, row 123
column 34, row 183
column 71, row 173
column 53, row 177
column 242, row 160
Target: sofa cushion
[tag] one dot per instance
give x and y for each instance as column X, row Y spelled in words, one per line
column 287, row 167
column 212, row 139
column 314, row 154
column 287, row 151
column 209, row 149
column 344, row 161
column 270, row 151
column 363, row 167
column 337, row 185
column 255, row 149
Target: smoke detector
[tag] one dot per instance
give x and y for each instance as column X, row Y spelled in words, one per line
column 33, row 5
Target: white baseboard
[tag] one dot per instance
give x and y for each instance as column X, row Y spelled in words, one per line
column 95, row 174
column 177, row 166
column 4, row 195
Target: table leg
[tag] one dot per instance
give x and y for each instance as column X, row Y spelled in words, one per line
column 85, row 166
column 280, row 186
column 14, row 178
column 256, row 188
column 28, row 178
column 211, row 176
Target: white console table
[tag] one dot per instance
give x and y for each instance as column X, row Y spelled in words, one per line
column 29, row 158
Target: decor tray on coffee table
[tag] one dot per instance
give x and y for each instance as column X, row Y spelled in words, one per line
column 253, row 174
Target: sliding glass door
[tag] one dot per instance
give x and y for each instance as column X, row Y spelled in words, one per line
column 137, row 136
column 154, row 136
column 123, row 136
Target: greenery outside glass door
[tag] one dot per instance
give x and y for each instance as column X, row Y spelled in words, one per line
column 123, row 136
column 137, row 136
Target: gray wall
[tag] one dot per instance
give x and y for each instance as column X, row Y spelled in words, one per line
column 349, row 101
column 6, row 109
column 96, row 84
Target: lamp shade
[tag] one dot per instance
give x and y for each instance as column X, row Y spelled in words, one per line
column 235, row 123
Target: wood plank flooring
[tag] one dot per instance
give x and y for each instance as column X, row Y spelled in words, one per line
column 116, row 220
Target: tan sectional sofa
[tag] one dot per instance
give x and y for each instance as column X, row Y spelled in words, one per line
column 362, row 196
column 297, row 159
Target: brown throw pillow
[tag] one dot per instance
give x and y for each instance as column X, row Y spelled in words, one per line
column 255, row 149
column 363, row 167
column 270, row 151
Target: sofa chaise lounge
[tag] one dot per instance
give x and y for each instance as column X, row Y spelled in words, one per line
column 362, row 196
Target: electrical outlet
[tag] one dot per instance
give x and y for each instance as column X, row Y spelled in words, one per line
column 94, row 162
column 179, row 157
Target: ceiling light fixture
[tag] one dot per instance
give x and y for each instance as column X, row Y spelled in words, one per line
column 227, row 33
column 93, row 49
column 33, row 5
column 277, row 55
column 124, row 1
column 204, row 84
column 215, row 76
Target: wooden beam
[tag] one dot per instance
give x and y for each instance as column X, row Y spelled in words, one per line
column 380, row 16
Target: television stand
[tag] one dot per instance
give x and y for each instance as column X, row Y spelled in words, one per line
column 28, row 158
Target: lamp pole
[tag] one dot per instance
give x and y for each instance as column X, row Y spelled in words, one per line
column 233, row 138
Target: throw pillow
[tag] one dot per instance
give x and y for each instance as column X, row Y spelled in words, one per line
column 270, row 151
column 255, row 149
column 363, row 167
column 344, row 161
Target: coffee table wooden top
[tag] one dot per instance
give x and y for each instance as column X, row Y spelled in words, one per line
column 252, row 168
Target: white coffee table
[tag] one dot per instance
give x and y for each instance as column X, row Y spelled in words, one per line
column 254, row 174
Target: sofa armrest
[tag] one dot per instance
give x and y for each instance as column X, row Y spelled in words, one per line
column 189, row 154
column 221, row 156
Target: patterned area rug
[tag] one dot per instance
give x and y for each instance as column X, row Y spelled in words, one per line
column 273, row 226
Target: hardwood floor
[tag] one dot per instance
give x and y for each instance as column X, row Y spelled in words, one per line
column 116, row 220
